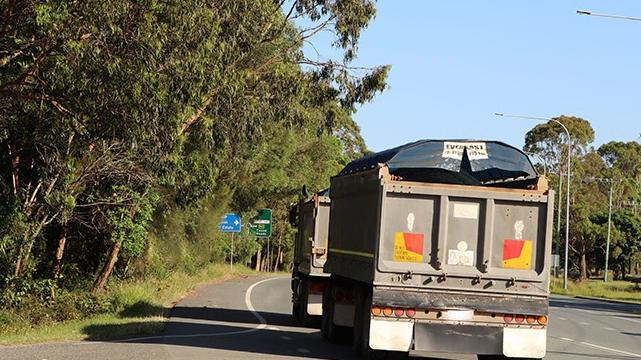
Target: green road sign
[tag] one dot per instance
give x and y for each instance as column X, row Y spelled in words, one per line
column 261, row 224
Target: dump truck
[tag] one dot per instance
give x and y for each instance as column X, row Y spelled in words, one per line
column 310, row 216
column 440, row 246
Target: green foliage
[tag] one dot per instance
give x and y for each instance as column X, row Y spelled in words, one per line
column 549, row 139
column 131, row 231
column 132, row 124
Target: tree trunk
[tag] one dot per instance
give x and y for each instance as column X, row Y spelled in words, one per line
column 15, row 169
column 275, row 268
column 62, row 241
column 101, row 280
column 25, row 251
column 258, row 260
column 584, row 267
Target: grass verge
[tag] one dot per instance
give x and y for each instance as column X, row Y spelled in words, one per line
column 134, row 308
column 612, row 290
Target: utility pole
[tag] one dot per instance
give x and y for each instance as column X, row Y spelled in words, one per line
column 607, row 243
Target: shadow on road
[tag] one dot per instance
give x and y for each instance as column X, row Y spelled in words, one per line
column 230, row 315
column 234, row 334
column 631, row 334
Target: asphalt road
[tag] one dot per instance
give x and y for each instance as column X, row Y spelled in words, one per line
column 249, row 319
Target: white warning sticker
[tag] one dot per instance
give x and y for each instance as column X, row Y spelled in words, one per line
column 466, row 211
column 475, row 150
column 461, row 255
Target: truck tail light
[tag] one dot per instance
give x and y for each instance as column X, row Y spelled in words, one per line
column 410, row 312
column 531, row 319
column 348, row 296
column 388, row 311
column 519, row 318
column 542, row 319
column 376, row 310
column 399, row 312
column 508, row 318
column 316, row 288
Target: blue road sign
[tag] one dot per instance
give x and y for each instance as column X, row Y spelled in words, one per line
column 230, row 223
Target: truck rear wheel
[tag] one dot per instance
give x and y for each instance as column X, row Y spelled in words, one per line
column 327, row 326
column 330, row 331
column 303, row 317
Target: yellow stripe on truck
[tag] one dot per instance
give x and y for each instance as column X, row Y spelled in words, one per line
column 351, row 252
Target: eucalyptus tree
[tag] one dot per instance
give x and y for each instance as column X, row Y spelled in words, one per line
column 113, row 110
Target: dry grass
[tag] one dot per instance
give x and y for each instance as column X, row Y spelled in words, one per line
column 612, row 290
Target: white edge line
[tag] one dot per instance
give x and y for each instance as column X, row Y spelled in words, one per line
column 610, row 349
column 626, row 319
column 248, row 304
column 602, row 347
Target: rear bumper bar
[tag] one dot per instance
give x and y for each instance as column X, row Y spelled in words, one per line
column 439, row 300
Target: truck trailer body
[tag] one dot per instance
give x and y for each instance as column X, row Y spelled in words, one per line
column 440, row 246
column 311, row 218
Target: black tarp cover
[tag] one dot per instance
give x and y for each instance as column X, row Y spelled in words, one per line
column 450, row 161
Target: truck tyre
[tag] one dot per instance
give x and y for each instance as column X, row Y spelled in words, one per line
column 295, row 298
column 326, row 321
column 360, row 312
column 304, row 318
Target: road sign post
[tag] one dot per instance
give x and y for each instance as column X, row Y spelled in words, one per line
column 261, row 226
column 230, row 223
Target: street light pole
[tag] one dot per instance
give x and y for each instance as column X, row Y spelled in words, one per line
column 590, row 13
column 567, row 196
column 607, row 243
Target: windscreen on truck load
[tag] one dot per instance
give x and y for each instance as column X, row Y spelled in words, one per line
column 469, row 162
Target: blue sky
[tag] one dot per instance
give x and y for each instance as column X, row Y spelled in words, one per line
column 455, row 63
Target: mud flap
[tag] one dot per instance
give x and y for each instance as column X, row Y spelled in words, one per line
column 524, row 343
column 315, row 304
column 344, row 314
column 390, row 335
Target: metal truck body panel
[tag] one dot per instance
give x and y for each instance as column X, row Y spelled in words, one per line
column 440, row 237
column 310, row 244
column 312, row 236
column 441, row 267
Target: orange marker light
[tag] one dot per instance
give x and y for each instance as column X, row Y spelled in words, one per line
column 387, row 311
column 531, row 319
column 376, row 310
column 543, row 320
